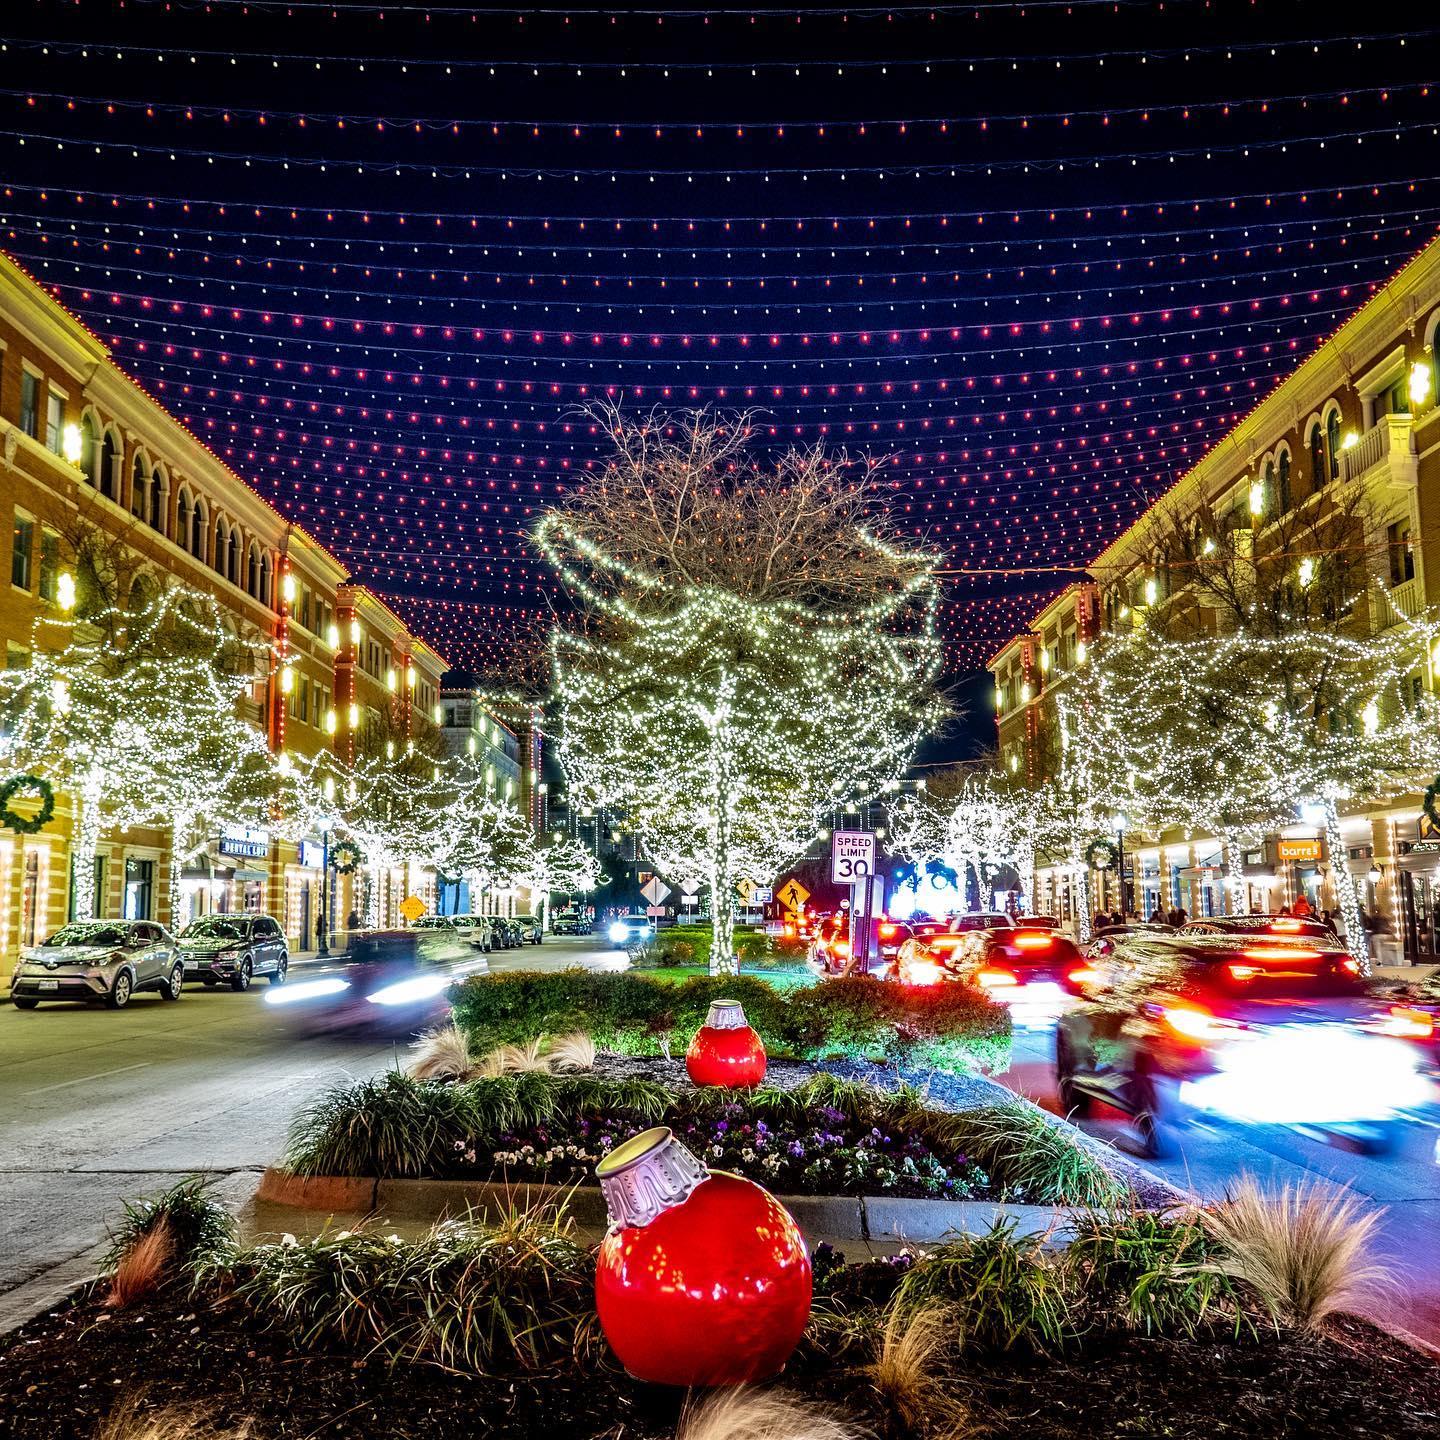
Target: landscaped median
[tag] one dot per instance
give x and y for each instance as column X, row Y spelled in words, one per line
column 941, row 1027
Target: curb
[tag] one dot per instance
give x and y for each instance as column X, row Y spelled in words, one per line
column 820, row 1217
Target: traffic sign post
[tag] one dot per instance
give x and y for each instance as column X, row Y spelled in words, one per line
column 852, row 856
column 793, row 895
column 655, row 890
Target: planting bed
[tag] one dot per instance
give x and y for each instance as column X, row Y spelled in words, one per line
column 228, row 1354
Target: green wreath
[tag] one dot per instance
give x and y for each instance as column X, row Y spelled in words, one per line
column 1102, row 854
column 1432, row 802
column 346, row 856
column 32, row 785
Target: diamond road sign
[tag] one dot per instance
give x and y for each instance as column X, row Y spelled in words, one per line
column 655, row 890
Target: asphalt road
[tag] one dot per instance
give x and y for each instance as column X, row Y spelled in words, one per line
column 102, row 1106
column 1406, row 1182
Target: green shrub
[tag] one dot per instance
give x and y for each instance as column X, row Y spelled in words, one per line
column 1155, row 1271
column 519, row 1295
column 202, row 1231
column 1004, row 1291
column 947, row 1027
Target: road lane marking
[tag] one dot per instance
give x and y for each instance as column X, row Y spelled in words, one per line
column 84, row 1079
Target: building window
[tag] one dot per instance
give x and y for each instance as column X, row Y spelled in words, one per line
column 1394, row 399
column 1402, row 553
column 30, row 404
column 1317, row 455
column 22, row 551
column 138, row 482
column 1332, row 442
column 54, row 421
column 49, row 564
column 89, row 451
column 139, row 888
column 1286, row 498
column 157, row 502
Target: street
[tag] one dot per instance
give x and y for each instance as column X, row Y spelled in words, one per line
column 104, row 1107
column 1406, row 1183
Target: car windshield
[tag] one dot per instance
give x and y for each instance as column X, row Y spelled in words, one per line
column 213, row 927
column 87, row 934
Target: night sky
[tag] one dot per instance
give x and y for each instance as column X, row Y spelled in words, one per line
column 1039, row 256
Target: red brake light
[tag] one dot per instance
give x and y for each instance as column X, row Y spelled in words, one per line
column 1287, row 927
column 888, row 932
column 1032, row 940
column 841, row 947
column 1194, row 1023
column 1408, row 1024
column 1272, row 957
column 1352, row 965
column 1085, row 975
column 993, row 979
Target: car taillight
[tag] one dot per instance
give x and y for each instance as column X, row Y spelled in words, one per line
column 1085, row 975
column 889, row 932
column 995, row 979
column 1279, row 956
column 1245, row 972
column 1032, row 942
column 923, row 972
column 1196, row 1024
column 840, row 947
column 1351, row 966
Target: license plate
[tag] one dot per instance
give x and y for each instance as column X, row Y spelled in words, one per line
column 49, row 984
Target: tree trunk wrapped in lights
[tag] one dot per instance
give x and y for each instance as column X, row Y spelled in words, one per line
column 753, row 652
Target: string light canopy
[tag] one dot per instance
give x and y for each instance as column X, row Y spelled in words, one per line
column 388, row 312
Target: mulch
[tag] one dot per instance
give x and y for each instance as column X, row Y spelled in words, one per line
column 64, row 1372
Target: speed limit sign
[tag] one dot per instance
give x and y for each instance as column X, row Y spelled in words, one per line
column 852, row 856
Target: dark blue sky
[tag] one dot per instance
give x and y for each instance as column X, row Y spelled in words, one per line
column 1039, row 256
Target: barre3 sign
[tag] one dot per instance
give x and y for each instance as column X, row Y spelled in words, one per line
column 852, row 856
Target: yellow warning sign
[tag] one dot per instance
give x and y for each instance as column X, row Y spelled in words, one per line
column 793, row 895
column 412, row 907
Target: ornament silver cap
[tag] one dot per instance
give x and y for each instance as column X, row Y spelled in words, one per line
column 648, row 1174
column 725, row 1015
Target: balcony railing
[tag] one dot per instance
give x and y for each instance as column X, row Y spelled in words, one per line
column 1391, row 441
column 1396, row 604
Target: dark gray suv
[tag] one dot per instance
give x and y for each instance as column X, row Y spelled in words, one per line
column 233, row 950
column 105, row 960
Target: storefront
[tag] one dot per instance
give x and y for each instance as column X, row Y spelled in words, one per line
column 1417, row 894
column 304, row 896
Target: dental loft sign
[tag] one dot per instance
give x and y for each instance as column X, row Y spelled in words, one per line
column 245, row 844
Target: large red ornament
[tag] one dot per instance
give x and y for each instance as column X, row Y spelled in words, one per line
column 726, row 1051
column 702, row 1278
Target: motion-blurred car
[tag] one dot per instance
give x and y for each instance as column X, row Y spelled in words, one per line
column 570, row 925
column 390, row 981
column 627, row 930
column 1034, row 971
column 106, row 960
column 1107, row 937
column 233, row 949
column 1246, row 1024
column 1293, row 925
column 532, row 932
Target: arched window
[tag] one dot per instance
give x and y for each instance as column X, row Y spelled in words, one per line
column 1267, row 483
column 109, row 464
column 199, row 530
column 89, row 449
column 232, row 557
column 157, row 502
column 138, row 480
column 252, row 573
column 1332, row 442
column 222, row 534
column 264, row 595
column 1316, row 444
column 1286, row 499
column 182, row 519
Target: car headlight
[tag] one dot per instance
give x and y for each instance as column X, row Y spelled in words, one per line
column 618, row 932
column 410, row 992
column 310, row 990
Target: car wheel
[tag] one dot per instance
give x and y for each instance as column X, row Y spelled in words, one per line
column 24, row 1003
column 174, row 984
column 1152, row 1122
column 282, row 969
column 120, row 991
column 241, row 980
column 1074, row 1102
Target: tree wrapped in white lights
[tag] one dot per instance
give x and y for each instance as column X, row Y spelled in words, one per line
column 134, row 713
column 757, row 653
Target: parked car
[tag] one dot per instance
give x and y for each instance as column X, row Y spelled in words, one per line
column 107, row 960
column 1244, row 1024
column 531, row 930
column 389, row 981
column 507, row 931
column 233, row 949
column 564, row 924
column 473, row 929
column 627, row 930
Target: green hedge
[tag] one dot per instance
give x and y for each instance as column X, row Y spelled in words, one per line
column 946, row 1027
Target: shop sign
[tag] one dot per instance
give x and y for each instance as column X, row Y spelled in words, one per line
column 1424, row 847
column 1304, row 850
column 312, row 855
column 246, row 844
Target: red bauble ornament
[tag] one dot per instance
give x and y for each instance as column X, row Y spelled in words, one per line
column 702, row 1278
column 726, row 1051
